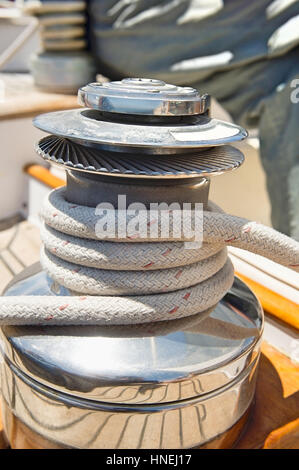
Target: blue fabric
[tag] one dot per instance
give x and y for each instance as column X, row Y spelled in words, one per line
column 235, row 53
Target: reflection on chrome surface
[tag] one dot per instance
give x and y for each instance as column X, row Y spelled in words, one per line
column 176, row 384
column 182, row 425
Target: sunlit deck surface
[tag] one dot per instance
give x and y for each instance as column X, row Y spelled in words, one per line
column 19, row 247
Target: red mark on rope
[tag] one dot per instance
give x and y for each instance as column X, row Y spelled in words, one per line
column 186, row 296
column 167, row 252
column 151, row 222
column 133, row 236
column 178, row 274
column 173, row 310
column 50, row 317
column 63, row 307
column 230, row 239
column 66, row 242
column 82, row 298
column 75, row 270
column 54, row 215
column 247, row 230
column 149, row 264
column 54, row 250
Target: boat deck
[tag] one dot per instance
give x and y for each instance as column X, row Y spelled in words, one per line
column 19, row 247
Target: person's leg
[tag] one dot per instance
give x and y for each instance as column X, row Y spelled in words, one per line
column 259, row 95
column 279, row 148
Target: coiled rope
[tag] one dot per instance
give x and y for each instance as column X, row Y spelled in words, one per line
column 133, row 280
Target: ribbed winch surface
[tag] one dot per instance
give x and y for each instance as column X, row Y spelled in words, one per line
column 212, row 161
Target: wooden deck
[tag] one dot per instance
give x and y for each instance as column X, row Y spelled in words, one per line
column 19, row 247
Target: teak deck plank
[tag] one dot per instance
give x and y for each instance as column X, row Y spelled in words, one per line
column 276, row 404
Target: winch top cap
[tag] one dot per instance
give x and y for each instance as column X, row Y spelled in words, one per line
column 171, row 119
column 143, row 96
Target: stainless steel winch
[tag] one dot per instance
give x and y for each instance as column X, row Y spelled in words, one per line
column 185, row 383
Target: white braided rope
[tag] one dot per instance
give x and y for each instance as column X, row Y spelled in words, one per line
column 105, row 310
column 136, row 280
column 110, row 255
column 93, row 281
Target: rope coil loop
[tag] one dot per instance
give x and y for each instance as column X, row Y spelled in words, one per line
column 134, row 280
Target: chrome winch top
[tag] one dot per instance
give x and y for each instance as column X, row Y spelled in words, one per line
column 125, row 121
column 144, row 96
